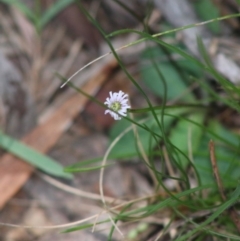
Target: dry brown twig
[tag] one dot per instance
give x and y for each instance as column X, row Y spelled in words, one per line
column 12, row 169
column 215, row 169
column 233, row 214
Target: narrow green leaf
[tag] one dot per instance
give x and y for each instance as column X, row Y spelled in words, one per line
column 84, row 226
column 53, row 10
column 32, row 156
column 22, row 7
column 84, row 169
column 220, row 210
column 168, row 202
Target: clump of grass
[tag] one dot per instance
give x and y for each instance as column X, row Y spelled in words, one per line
column 38, row 17
column 179, row 134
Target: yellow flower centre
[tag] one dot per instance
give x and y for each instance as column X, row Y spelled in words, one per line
column 116, row 106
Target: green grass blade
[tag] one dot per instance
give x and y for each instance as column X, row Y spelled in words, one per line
column 124, row 31
column 218, row 212
column 84, row 226
column 32, row 156
column 85, row 169
column 51, row 12
column 22, row 7
column 174, row 200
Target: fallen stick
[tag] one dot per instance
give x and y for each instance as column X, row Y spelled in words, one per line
column 232, row 212
column 15, row 172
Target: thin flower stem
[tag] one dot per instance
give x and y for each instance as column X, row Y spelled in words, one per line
column 145, row 38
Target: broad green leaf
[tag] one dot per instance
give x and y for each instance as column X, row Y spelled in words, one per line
column 207, row 10
column 190, row 67
column 186, row 136
column 127, row 144
column 32, row 156
column 174, row 75
column 183, row 64
column 174, row 82
column 227, row 159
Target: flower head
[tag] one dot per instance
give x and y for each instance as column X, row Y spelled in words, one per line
column 118, row 102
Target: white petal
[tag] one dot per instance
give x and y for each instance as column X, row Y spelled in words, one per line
column 120, row 97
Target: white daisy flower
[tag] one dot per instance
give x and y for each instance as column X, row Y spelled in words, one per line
column 117, row 102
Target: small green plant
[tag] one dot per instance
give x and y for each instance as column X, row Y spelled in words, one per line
column 195, row 150
column 38, row 17
column 178, row 133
